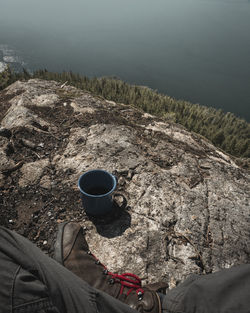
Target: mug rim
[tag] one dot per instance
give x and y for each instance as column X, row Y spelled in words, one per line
column 97, row 196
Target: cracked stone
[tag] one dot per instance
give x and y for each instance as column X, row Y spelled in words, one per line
column 187, row 203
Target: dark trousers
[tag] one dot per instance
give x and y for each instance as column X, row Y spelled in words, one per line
column 30, row 281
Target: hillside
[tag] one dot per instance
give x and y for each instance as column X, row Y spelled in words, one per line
column 181, row 206
column 224, row 130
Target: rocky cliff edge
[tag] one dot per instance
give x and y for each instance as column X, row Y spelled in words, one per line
column 181, row 206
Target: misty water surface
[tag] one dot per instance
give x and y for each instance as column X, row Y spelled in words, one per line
column 197, row 50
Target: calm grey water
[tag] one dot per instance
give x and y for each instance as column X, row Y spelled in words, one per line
column 198, row 50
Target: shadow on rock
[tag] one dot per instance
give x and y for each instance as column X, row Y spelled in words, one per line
column 116, row 222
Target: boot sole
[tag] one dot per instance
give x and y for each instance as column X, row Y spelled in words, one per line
column 58, row 250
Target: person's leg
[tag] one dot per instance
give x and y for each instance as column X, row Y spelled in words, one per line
column 222, row 292
column 226, row 291
column 30, row 281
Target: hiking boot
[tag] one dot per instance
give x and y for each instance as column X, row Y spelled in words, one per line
column 72, row 251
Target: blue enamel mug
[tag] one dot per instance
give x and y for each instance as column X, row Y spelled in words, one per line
column 96, row 188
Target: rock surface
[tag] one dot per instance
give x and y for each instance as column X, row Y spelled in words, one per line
column 181, row 206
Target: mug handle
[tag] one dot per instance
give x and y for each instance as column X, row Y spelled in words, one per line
column 124, row 200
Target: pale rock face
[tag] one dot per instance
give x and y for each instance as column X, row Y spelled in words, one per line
column 31, row 172
column 187, row 202
column 45, row 182
column 81, row 109
column 47, row 100
column 111, row 148
column 20, row 116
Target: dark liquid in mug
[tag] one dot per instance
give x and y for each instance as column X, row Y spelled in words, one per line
column 97, row 191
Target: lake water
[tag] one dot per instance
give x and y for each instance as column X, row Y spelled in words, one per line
column 198, row 50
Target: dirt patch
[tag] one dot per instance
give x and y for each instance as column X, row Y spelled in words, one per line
column 34, row 211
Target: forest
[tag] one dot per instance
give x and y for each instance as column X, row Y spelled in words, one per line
column 224, row 130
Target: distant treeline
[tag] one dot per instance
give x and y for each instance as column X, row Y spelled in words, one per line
column 224, row 130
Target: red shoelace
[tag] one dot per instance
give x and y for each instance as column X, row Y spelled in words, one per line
column 129, row 280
